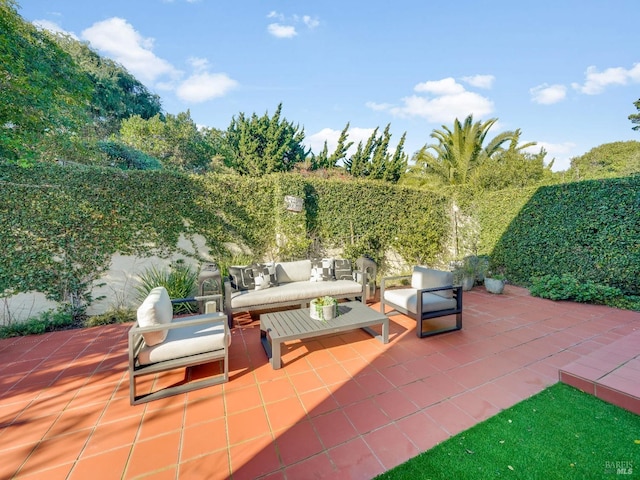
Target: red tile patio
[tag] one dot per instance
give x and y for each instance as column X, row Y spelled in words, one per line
column 342, row 406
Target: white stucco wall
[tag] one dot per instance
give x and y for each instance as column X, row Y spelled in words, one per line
column 119, row 287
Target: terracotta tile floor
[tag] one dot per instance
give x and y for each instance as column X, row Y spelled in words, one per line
column 342, row 406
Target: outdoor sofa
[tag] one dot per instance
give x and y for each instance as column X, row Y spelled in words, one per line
column 268, row 286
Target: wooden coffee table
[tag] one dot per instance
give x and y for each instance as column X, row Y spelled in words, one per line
column 279, row 327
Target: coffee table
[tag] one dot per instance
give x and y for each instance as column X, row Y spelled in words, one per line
column 279, row 327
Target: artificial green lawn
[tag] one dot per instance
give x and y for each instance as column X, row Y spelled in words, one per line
column 560, row 433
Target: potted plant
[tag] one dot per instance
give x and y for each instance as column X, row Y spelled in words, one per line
column 323, row 308
column 494, row 281
column 470, row 270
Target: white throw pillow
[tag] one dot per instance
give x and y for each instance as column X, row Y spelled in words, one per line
column 155, row 310
column 424, row 277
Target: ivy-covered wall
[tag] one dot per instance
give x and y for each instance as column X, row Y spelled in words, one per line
column 61, row 225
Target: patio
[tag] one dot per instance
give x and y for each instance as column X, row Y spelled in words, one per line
column 342, row 406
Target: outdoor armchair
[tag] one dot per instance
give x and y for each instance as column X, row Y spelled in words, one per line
column 429, row 298
column 158, row 342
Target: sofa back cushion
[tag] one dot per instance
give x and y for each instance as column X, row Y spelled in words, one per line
column 424, row 277
column 264, row 276
column 322, row 270
column 297, row 271
column 342, row 269
column 156, row 309
column 242, row 277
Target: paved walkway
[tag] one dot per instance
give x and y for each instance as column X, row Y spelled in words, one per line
column 342, row 406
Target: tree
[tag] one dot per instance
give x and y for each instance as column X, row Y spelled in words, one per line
column 340, row 153
column 43, row 94
column 173, row 139
column 117, row 95
column 635, row 117
column 374, row 159
column 358, row 164
column 322, row 159
column 616, row 159
column 262, row 145
column 457, row 153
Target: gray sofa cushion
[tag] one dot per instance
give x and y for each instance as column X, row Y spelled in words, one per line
column 291, row 292
column 182, row 342
column 296, row 271
column 406, row 298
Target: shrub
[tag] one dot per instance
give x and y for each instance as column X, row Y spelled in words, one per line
column 180, row 280
column 116, row 315
column 567, row 287
column 46, row 322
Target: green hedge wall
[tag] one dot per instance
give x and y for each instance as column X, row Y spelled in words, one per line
column 589, row 229
column 62, row 223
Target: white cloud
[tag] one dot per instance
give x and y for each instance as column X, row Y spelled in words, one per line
column 274, row 14
column 446, row 86
column 201, row 87
column 443, row 102
column 310, row 22
column 356, row 135
column 596, row 82
column 285, row 27
column 379, row 107
column 548, row 94
column 480, row 81
column 198, row 64
column 282, row 31
column 53, row 27
column 560, row 153
column 119, row 40
column 444, row 108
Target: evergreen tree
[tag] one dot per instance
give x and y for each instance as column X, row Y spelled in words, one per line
column 263, row 145
column 340, row 152
column 380, row 156
column 635, row 117
column 359, row 163
column 397, row 166
column 321, row 160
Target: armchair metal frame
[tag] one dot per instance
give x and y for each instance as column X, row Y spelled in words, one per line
column 420, row 316
column 136, row 343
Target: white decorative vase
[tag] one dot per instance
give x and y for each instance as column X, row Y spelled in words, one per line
column 323, row 313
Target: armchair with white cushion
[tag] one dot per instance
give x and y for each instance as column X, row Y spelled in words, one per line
column 159, row 342
column 430, row 297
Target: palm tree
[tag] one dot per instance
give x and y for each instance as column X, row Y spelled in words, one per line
column 458, row 152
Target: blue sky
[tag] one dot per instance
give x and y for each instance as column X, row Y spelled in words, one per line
column 566, row 72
